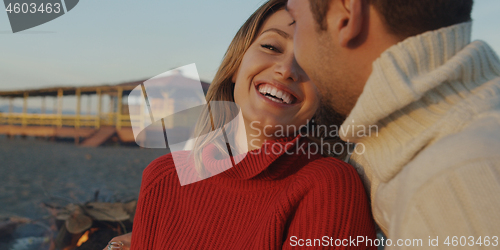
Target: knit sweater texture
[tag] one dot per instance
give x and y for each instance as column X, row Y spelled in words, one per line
column 433, row 167
column 276, row 197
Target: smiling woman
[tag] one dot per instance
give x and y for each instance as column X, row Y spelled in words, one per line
column 269, row 197
column 270, row 87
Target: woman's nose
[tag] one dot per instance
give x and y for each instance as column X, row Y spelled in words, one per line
column 288, row 68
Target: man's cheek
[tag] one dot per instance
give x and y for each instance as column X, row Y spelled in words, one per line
column 298, row 46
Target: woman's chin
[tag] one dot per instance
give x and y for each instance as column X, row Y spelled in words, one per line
column 270, row 129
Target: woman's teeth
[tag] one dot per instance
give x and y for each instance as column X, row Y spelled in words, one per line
column 275, row 94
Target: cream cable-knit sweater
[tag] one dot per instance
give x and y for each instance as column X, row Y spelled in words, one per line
column 434, row 167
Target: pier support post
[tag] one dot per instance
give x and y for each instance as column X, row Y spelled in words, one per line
column 25, row 109
column 78, row 94
column 42, row 121
column 99, row 108
column 119, row 109
column 59, row 107
column 11, row 107
column 43, row 105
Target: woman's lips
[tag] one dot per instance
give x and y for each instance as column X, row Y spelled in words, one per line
column 276, row 93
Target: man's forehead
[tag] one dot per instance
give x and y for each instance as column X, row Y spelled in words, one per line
column 287, row 5
column 291, row 4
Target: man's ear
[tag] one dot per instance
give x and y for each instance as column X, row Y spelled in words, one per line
column 350, row 22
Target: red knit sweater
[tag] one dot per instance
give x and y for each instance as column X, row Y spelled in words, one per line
column 267, row 201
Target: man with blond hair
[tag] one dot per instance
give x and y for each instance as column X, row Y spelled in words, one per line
column 409, row 68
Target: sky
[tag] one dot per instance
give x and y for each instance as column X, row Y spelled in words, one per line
column 115, row 41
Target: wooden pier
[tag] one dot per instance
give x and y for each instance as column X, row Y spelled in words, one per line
column 90, row 129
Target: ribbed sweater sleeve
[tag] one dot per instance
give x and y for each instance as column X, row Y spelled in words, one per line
column 457, row 203
column 460, row 198
column 333, row 213
column 150, row 202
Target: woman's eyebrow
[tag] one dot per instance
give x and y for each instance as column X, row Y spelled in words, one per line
column 280, row 32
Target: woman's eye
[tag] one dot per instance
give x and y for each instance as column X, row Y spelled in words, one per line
column 270, row 47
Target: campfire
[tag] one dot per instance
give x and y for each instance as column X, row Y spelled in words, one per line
column 75, row 226
column 93, row 224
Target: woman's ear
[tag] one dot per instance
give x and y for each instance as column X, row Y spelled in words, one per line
column 235, row 76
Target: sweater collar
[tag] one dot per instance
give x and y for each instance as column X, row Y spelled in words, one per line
column 413, row 86
column 247, row 165
column 404, row 73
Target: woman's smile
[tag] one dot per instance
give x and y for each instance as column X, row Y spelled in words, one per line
column 277, row 93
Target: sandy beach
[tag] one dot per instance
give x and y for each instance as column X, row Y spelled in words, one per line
column 33, row 171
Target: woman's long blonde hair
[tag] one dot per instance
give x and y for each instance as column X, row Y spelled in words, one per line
column 222, row 87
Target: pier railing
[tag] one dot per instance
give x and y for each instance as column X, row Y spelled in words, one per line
column 118, row 117
column 88, row 121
